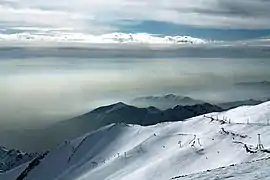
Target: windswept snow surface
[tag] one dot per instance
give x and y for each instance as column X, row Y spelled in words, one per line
column 245, row 171
column 14, row 173
column 160, row 152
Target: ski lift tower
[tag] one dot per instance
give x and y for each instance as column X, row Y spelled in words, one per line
column 260, row 145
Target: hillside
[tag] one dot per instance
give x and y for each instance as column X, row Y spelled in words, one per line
column 117, row 113
column 162, row 151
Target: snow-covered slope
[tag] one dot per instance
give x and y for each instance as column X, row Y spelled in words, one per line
column 115, row 113
column 259, row 169
column 126, row 38
column 160, row 152
column 13, row 173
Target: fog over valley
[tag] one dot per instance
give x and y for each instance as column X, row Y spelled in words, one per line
column 38, row 91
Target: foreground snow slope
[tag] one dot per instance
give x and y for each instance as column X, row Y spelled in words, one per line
column 245, row 171
column 163, row 151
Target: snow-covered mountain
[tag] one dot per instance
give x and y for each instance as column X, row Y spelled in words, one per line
column 164, row 151
column 117, row 113
column 126, row 38
column 10, row 159
column 166, row 101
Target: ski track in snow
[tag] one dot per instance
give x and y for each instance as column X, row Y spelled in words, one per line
column 132, row 152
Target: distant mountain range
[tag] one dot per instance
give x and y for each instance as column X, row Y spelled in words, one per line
column 260, row 84
column 172, row 100
column 165, row 102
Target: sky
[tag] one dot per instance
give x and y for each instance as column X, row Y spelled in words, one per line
column 208, row 19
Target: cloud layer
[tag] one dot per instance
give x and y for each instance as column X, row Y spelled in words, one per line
column 47, row 35
column 104, row 16
column 43, row 90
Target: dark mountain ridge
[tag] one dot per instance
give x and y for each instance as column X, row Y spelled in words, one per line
column 11, row 158
column 123, row 113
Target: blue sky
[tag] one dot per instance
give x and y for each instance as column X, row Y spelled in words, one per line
column 210, row 19
column 158, row 27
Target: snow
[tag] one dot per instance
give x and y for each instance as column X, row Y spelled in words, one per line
column 14, row 173
column 162, row 151
column 112, row 38
column 245, row 171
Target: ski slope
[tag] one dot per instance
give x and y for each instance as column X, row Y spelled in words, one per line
column 259, row 169
column 159, row 152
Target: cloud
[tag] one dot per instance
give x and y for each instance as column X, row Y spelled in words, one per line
column 255, row 49
column 52, row 35
column 39, row 17
column 102, row 16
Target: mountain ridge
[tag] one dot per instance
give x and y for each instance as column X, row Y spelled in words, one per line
column 165, row 102
column 120, row 112
column 11, row 158
column 171, row 100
